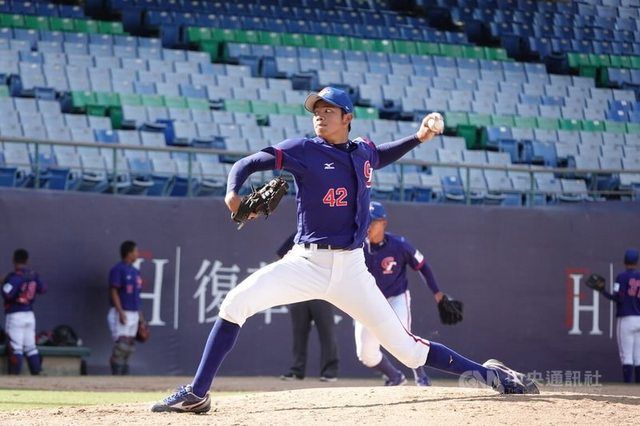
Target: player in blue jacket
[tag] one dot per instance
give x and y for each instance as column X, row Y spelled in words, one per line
column 333, row 177
column 19, row 293
column 626, row 295
column 387, row 257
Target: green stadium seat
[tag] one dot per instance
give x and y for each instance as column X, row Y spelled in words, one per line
column 454, row 119
column 570, row 124
column 496, row 54
column 107, row 99
column 36, row 22
column 175, row 102
column 12, row 21
column 576, row 60
column 547, row 123
column 635, row 61
column 593, row 125
column 289, row 39
column 130, row 99
column 247, row 37
column 525, row 122
column 270, row 38
column 315, row 40
column 198, row 34
column 61, row 24
column 291, row 109
column 451, row 50
column 599, row 60
column 502, row 120
column 108, row 27
column 153, row 100
column 479, row 120
column 97, row 110
column 117, row 116
column 404, row 47
column 633, row 127
column 237, row 105
column 4, row 92
column 80, row 100
column 195, row 103
column 615, row 127
column 263, row 107
column 470, row 135
column 212, row 48
column 473, row 52
column 430, row 49
column 338, row 42
column 366, row 113
column 363, row 45
column 86, row 26
column 218, row 34
column 383, row 46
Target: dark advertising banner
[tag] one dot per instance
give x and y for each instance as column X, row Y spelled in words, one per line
column 520, row 273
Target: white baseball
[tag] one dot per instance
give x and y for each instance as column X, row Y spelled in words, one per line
column 436, row 124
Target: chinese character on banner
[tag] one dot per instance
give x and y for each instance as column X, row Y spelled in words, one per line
column 214, row 282
column 572, row 378
column 536, row 376
column 270, row 311
column 555, row 378
column 592, row 378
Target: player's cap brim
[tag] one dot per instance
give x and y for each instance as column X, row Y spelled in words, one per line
column 311, row 100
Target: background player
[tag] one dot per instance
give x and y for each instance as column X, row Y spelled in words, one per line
column 124, row 315
column 333, row 177
column 387, row 257
column 19, row 292
column 303, row 314
column 626, row 294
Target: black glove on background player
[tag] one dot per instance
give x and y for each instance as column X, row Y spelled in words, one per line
column 450, row 310
column 262, row 201
column 595, row 282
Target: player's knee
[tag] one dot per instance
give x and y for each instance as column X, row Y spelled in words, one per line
column 31, row 350
column 370, row 359
column 234, row 310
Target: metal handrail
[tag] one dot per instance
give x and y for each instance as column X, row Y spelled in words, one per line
column 529, row 169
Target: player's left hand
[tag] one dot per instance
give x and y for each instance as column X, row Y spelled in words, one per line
column 432, row 125
column 438, row 296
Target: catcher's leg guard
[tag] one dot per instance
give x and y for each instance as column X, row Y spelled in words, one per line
column 122, row 349
column 15, row 360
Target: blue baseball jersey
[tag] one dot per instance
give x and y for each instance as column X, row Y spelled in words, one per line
column 626, row 292
column 126, row 278
column 333, row 184
column 19, row 290
column 388, row 261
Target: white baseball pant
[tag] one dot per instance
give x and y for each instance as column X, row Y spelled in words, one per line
column 338, row 276
column 21, row 328
column 629, row 339
column 367, row 346
column 129, row 329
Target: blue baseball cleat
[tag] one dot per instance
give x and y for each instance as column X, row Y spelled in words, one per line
column 423, row 381
column 183, row 401
column 396, row 381
column 508, row 381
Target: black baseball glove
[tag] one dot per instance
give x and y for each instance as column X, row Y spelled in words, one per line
column 450, row 310
column 595, row 282
column 262, row 201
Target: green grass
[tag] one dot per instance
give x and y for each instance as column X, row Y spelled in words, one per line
column 11, row 400
column 26, row 399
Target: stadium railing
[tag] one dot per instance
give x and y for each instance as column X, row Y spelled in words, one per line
column 403, row 166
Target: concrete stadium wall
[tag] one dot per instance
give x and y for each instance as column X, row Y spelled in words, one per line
column 516, row 270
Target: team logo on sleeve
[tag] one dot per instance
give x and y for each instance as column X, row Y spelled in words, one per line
column 7, row 287
column 418, row 256
column 368, row 174
column 387, row 265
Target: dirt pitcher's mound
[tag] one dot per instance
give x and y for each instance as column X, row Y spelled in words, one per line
column 365, row 405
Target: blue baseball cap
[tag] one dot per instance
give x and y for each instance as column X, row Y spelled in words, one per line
column 377, row 211
column 334, row 96
column 631, row 256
